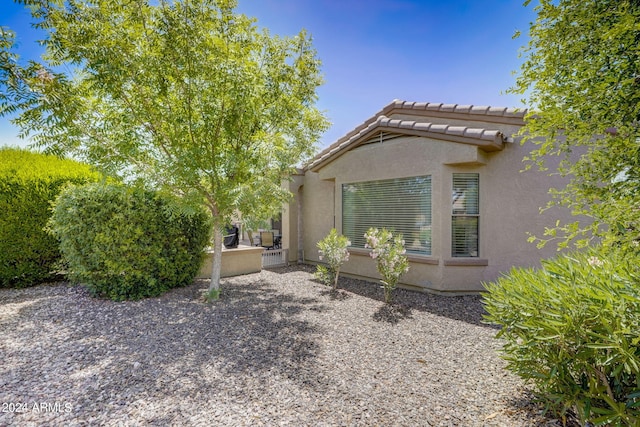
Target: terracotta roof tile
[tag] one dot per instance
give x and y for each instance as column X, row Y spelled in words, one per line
column 431, row 106
column 422, row 126
column 448, row 107
column 490, row 135
column 456, row 130
column 463, row 108
column 496, row 111
column 516, row 112
column 406, row 124
column 473, row 132
column 381, row 119
column 438, row 128
column 479, row 109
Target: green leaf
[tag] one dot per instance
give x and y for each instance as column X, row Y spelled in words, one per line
column 188, row 97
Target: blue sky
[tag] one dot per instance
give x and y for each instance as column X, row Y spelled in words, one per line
column 374, row 51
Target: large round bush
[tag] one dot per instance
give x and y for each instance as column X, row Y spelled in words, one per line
column 29, row 182
column 572, row 328
column 128, row 243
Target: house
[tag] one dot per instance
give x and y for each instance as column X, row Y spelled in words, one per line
column 448, row 177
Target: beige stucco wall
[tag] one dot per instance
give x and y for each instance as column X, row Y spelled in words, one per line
column 510, row 202
column 235, row 262
column 291, row 223
column 318, row 210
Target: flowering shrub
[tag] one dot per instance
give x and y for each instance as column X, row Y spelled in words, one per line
column 333, row 250
column 389, row 252
column 571, row 329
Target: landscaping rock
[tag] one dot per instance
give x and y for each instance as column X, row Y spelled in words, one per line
column 278, row 348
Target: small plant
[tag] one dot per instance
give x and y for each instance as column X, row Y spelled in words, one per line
column 333, row 249
column 389, row 252
column 212, row 295
column 571, row 329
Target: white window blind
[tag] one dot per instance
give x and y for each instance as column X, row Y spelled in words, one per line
column 402, row 205
column 465, row 209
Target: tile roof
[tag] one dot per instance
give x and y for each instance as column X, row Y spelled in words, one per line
column 509, row 113
column 487, row 139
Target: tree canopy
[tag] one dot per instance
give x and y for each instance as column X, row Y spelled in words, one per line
column 581, row 76
column 180, row 94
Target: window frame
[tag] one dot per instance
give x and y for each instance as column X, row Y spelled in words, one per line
column 464, row 211
column 419, row 229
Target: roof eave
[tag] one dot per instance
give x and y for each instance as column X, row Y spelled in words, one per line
column 501, row 115
column 488, row 143
column 486, row 113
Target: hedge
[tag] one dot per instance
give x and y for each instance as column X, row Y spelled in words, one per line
column 29, row 182
column 128, row 243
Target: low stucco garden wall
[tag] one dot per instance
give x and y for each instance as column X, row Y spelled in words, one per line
column 235, row 262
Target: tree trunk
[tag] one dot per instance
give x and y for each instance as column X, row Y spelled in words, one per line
column 214, row 287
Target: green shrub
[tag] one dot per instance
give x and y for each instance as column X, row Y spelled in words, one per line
column 128, row 243
column 333, row 251
column 572, row 328
column 29, row 182
column 389, row 252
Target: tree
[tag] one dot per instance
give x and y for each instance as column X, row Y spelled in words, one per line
column 581, row 76
column 184, row 95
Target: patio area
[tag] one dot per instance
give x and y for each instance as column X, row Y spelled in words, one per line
column 277, row 349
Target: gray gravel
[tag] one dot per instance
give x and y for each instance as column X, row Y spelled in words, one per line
column 277, row 349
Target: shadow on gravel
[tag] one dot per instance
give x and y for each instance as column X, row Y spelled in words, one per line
column 465, row 308
column 184, row 346
column 253, row 329
column 392, row 313
column 104, row 357
column 528, row 403
column 336, row 294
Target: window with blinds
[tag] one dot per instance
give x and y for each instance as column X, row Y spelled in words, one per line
column 465, row 209
column 402, row 205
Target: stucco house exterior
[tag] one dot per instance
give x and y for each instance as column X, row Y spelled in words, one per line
column 447, row 176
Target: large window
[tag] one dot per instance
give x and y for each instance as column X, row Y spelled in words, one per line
column 402, row 205
column 465, row 210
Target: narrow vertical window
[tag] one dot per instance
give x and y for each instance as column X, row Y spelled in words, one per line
column 465, row 210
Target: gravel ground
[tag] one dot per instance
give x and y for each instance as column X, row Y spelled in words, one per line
column 277, row 349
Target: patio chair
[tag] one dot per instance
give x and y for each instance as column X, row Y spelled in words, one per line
column 231, row 238
column 266, row 239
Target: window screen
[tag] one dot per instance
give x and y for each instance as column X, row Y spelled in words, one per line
column 402, row 205
column 465, row 209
